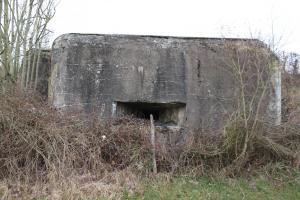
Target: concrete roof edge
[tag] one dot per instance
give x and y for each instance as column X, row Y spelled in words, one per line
column 163, row 37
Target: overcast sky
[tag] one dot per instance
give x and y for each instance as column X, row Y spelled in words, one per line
column 279, row 19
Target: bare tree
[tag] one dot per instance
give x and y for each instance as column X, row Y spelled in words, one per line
column 23, row 32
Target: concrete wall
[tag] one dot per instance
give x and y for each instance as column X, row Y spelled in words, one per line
column 41, row 72
column 93, row 72
column 44, row 73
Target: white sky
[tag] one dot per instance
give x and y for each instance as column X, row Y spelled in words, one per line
column 197, row 18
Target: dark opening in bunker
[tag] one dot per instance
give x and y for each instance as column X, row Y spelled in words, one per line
column 163, row 113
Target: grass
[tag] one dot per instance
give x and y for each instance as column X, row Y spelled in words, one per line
column 164, row 187
column 208, row 188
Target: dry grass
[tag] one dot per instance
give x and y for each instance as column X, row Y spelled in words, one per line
column 110, row 186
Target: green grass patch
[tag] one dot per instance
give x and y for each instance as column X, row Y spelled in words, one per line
column 209, row 188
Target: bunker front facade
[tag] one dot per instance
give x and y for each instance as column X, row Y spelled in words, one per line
column 186, row 82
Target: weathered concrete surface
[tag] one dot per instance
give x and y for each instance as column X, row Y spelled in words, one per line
column 94, row 73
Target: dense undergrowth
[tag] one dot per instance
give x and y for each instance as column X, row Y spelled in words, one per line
column 36, row 139
column 39, row 144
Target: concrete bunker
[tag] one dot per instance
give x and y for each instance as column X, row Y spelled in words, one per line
column 184, row 82
column 166, row 114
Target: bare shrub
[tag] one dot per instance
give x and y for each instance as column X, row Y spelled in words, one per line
column 36, row 139
column 60, row 154
column 250, row 137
